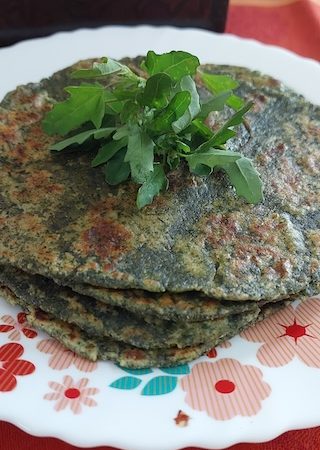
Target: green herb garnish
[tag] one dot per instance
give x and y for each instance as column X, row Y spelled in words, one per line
column 144, row 127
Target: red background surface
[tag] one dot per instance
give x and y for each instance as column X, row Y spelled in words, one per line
column 293, row 24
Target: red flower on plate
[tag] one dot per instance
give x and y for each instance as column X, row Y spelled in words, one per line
column 16, row 327
column 291, row 332
column 11, row 366
column 72, row 394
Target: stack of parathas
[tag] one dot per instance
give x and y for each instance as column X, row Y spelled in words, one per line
column 162, row 285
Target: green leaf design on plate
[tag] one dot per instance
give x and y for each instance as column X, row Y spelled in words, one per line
column 160, row 385
column 177, row 370
column 126, row 383
column 137, row 371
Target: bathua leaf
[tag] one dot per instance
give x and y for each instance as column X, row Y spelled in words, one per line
column 157, row 91
column 107, row 151
column 176, row 64
column 245, row 179
column 80, row 138
column 126, row 383
column 222, row 83
column 86, row 103
column 108, row 66
column 199, row 127
column 85, row 74
column 187, row 85
column 201, row 170
column 176, row 108
column 237, row 117
column 216, row 103
column 235, row 102
column 218, row 83
column 139, row 155
column 156, row 182
column 224, row 133
column 113, row 105
column 116, row 170
column 160, row 385
column 212, row 158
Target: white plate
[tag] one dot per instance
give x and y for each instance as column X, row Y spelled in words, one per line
column 256, row 387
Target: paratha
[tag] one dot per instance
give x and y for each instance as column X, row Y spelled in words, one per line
column 58, row 217
column 95, row 347
column 96, row 318
column 183, row 306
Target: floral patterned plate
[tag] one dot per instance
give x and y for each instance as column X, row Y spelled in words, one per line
column 251, row 388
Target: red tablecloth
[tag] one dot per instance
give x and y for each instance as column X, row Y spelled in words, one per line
column 293, row 24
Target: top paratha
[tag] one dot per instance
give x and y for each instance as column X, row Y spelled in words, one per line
column 60, row 219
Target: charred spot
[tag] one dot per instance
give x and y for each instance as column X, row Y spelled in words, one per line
column 267, row 230
column 282, row 267
column 272, row 82
column 6, row 290
column 259, row 102
column 223, row 229
column 41, row 182
column 74, row 335
column 107, row 239
column 278, row 150
column 27, row 117
column 135, row 354
column 314, row 130
column 262, row 98
column 255, row 252
column 19, row 154
column 41, row 315
column 8, row 134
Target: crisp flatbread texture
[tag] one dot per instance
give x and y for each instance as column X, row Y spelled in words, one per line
column 94, row 347
column 59, row 218
column 99, row 319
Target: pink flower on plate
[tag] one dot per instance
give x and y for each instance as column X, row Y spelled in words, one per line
column 16, row 327
column 62, row 358
column 288, row 333
column 72, row 394
column 11, row 366
column 225, row 389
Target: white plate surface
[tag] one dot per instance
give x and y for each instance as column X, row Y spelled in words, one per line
column 257, row 386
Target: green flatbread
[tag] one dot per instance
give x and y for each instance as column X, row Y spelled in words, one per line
column 183, row 306
column 94, row 348
column 60, row 219
column 99, row 319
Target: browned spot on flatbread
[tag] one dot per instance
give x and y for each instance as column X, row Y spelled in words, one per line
column 106, row 239
column 7, row 134
column 41, row 182
column 41, row 315
column 267, row 230
column 223, row 228
column 135, row 354
column 28, row 116
column 282, row 267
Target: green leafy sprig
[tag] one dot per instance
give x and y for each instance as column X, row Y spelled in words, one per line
column 145, row 127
